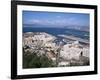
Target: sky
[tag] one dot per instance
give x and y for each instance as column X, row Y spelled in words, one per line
column 55, row 19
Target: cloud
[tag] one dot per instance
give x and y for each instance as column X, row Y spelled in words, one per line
column 55, row 21
column 34, row 21
column 73, row 21
column 43, row 22
column 58, row 16
column 50, row 22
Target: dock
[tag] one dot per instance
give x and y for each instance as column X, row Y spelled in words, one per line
column 75, row 39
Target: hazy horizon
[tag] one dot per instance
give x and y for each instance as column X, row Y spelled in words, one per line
column 55, row 19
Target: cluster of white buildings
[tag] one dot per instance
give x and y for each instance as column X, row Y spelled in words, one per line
column 73, row 51
column 39, row 37
column 67, row 51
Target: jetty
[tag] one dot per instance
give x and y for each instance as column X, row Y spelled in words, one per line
column 75, row 39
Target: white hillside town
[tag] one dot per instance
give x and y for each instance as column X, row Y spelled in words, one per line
column 71, row 53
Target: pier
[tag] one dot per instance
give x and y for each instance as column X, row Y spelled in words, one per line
column 75, row 38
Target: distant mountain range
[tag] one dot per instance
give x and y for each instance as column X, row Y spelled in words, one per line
column 81, row 28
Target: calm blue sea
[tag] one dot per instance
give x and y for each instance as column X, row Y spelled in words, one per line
column 58, row 31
